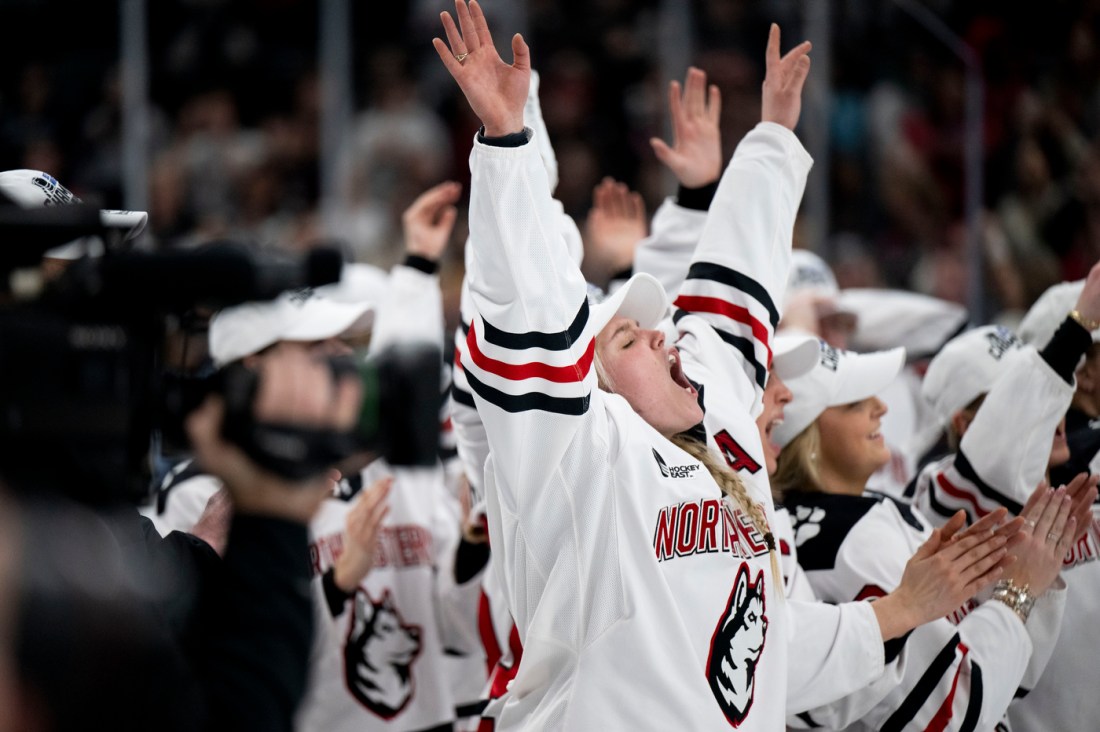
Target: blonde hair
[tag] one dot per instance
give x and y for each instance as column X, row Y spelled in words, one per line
column 796, row 468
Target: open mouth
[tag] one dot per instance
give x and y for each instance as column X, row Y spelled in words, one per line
column 771, row 426
column 676, row 371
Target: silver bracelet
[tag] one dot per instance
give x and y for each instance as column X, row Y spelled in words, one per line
column 1019, row 599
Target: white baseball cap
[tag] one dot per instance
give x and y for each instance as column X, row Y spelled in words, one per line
column 1049, row 311
column 358, row 283
column 794, row 354
column 966, row 368
column 298, row 315
column 811, row 272
column 811, row 277
column 641, row 298
column 838, row 377
column 35, row 189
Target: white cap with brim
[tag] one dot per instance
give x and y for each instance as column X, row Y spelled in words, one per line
column 966, row 368
column 1049, row 311
column 299, row 315
column 35, row 189
column 794, row 354
column 641, row 299
column 811, row 281
column 838, row 377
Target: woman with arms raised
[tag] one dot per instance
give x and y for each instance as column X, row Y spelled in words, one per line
column 629, row 563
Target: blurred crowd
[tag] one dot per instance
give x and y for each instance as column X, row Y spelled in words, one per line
column 234, row 145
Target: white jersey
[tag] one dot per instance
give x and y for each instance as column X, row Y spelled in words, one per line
column 959, row 672
column 1001, row 459
column 666, row 253
column 616, row 550
column 378, row 658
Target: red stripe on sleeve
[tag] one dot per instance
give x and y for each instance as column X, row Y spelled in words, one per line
column 960, row 494
column 943, row 716
column 716, row 306
column 533, row 369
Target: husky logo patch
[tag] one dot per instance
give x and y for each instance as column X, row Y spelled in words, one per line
column 736, row 646
column 378, row 656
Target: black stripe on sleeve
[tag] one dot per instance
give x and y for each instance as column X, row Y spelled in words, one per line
column 946, row 512
column 892, row 648
column 462, row 396
column 966, row 470
column 974, row 710
column 559, row 341
column 940, row 665
column 746, row 346
column 574, row 406
column 738, row 281
column 805, row 717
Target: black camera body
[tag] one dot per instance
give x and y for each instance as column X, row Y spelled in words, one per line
column 83, row 386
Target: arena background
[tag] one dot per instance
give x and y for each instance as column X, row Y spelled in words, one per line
column 289, row 122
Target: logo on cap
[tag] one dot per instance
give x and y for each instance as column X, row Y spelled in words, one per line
column 1001, row 340
column 830, row 357
column 302, row 295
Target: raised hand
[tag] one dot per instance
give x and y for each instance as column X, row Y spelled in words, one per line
column 1082, row 492
column 616, row 223
column 783, row 81
column 363, row 522
column 428, row 222
column 696, row 153
column 1088, row 303
column 495, row 90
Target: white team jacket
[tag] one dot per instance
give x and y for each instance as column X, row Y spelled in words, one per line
column 378, row 663
column 956, row 673
column 1001, row 459
column 618, row 572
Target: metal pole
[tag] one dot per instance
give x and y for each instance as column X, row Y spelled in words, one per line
column 337, row 98
column 134, row 70
column 675, row 49
column 975, row 146
column 814, row 127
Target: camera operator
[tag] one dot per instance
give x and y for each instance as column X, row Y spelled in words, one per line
column 382, row 559
column 94, row 642
column 112, row 626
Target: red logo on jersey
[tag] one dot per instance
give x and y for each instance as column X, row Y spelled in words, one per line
column 736, row 646
column 736, row 456
column 705, row 526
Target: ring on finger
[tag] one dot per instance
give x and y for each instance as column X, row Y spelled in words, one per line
column 460, row 57
column 1051, row 536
